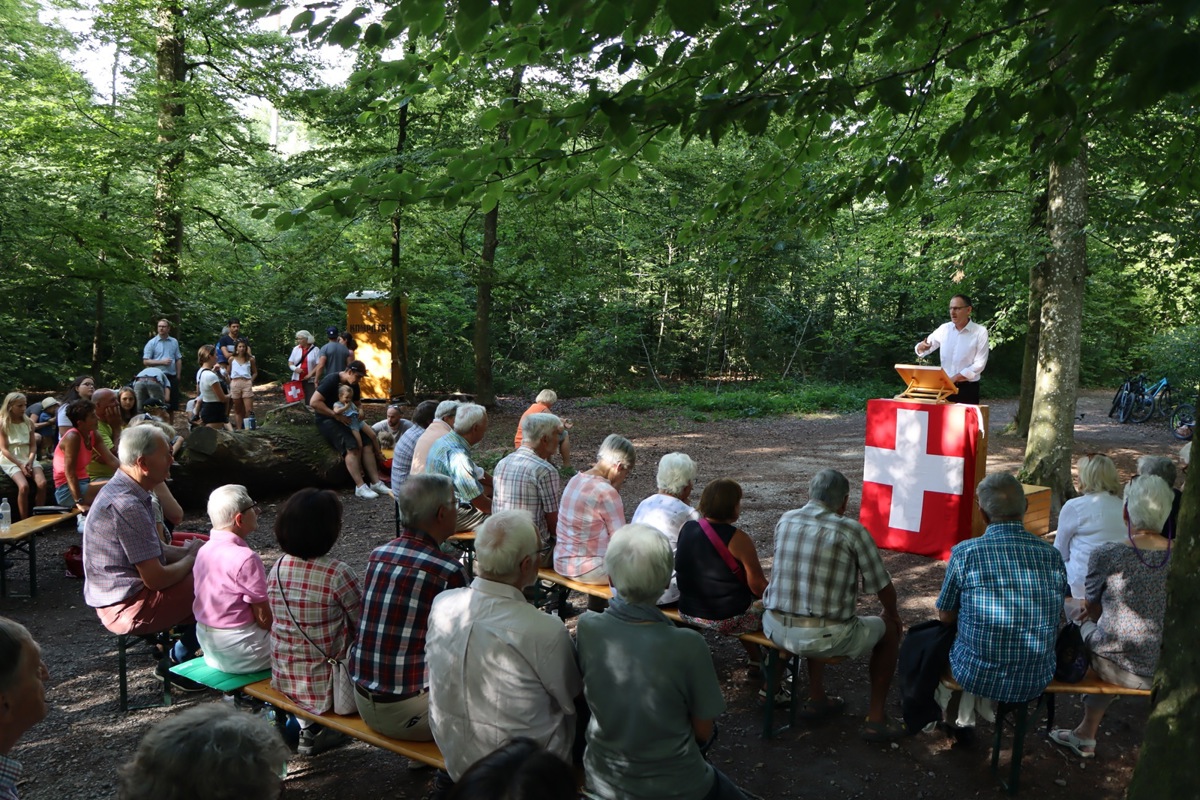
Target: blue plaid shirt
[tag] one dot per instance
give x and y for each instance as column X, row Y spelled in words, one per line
column 1008, row 588
column 10, row 773
column 451, row 456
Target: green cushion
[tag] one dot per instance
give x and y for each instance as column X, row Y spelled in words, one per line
column 201, row 672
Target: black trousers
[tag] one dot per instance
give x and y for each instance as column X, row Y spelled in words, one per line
column 968, row 392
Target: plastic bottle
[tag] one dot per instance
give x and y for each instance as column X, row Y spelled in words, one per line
column 5, row 516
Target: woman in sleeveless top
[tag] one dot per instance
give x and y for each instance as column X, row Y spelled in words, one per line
column 17, row 447
column 73, row 454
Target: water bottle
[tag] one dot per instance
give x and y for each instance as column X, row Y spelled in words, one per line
column 5, row 516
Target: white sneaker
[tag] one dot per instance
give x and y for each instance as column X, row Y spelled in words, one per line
column 80, row 521
column 365, row 492
column 379, row 487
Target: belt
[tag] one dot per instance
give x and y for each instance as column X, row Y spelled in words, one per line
column 801, row 621
column 378, row 697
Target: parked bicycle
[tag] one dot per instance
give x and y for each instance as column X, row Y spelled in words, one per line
column 1183, row 421
column 1153, row 401
column 1126, row 397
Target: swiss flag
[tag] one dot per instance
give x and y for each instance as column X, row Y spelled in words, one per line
column 293, row 392
column 919, row 475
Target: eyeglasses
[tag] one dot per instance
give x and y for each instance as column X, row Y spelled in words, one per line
column 252, row 507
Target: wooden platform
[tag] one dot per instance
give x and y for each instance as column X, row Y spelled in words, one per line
column 1037, row 515
column 21, row 541
column 354, row 727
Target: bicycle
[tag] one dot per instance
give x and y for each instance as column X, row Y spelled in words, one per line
column 1152, row 401
column 1124, row 399
column 1183, row 418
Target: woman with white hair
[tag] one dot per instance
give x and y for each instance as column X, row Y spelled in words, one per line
column 668, row 510
column 651, row 687
column 1086, row 522
column 303, row 362
column 591, row 509
column 1126, row 599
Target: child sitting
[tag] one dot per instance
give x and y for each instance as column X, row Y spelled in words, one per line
column 345, row 405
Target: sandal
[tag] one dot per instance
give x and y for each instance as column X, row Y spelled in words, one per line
column 829, row 707
column 886, row 731
column 1075, row 744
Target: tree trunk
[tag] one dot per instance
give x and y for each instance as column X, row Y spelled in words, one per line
column 1164, row 769
column 1052, row 423
column 168, row 212
column 1033, row 335
column 402, row 382
column 485, row 391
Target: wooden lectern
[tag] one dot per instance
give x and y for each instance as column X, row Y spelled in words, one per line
column 925, row 383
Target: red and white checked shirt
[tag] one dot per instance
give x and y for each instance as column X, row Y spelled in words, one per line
column 590, row 512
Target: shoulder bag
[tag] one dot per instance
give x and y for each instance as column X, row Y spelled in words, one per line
column 734, row 565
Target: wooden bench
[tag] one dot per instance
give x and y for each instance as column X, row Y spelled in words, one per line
column 774, row 660
column 1091, row 684
column 1037, row 512
column 424, row 752
column 21, row 538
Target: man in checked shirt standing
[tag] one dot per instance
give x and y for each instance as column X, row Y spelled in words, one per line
column 811, row 600
column 387, row 661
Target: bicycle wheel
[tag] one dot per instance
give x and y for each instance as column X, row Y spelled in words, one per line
column 1164, row 404
column 1184, row 416
column 1142, row 410
column 1126, row 409
column 1116, row 405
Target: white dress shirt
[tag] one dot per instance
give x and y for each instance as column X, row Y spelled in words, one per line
column 1085, row 523
column 964, row 352
column 498, row 668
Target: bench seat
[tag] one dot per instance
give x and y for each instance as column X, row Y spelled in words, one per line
column 424, row 752
column 21, row 538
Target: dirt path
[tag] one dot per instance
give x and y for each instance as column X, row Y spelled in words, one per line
column 76, row 750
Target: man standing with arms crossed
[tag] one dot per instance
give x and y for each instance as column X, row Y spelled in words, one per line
column 162, row 351
column 964, row 346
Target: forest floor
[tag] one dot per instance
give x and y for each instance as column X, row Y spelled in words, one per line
column 76, row 751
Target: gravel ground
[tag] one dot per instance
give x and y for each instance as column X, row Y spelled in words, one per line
column 75, row 752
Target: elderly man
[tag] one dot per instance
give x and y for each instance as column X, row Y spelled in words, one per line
column 443, row 423
column 1005, row 591
column 964, row 346
column 233, row 617
column 387, row 660
column 527, row 480
column 104, row 461
column 136, row 583
column 403, row 452
column 23, row 677
column 820, row 557
column 499, row 667
column 335, row 427
column 163, row 352
column 451, row 456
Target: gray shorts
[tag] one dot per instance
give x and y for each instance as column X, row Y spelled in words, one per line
column 846, row 639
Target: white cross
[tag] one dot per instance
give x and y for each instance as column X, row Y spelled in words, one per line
column 911, row 471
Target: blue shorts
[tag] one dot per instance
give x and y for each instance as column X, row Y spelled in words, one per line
column 62, row 494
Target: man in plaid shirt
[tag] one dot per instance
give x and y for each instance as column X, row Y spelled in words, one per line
column 811, row 600
column 387, row 661
column 1005, row 592
column 527, row 481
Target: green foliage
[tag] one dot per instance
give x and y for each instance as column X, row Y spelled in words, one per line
column 1173, row 354
column 757, row 399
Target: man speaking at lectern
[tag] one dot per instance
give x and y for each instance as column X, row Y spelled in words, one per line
column 964, row 346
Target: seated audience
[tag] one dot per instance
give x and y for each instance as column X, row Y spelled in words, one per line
column 387, row 661
column 74, row 489
column 208, row 752
column 167, row 511
column 545, row 399
column 127, row 401
column 233, row 617
column 402, row 455
column 334, row 426
column 526, row 480
column 81, row 388
column 1086, row 522
column 451, row 456
column 651, row 687
column 520, row 770
column 591, row 511
column 443, row 423
column 1164, row 468
column 667, row 510
column 393, row 422
column 821, row 558
column 1004, row 591
column 18, row 454
column 1126, row 601
column 45, row 418
column 498, row 667
column 719, row 574
column 23, row 677
column 104, row 461
column 315, row 604
column 136, row 583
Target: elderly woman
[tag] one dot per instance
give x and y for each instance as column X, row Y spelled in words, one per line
column 72, row 456
column 303, row 362
column 315, row 602
column 209, row 752
column 668, row 510
column 1164, row 468
column 1126, row 601
column 591, row 510
column 651, row 687
column 1089, row 521
column 82, row 388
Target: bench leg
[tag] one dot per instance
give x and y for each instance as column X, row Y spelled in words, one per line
column 33, row 566
column 123, row 679
column 770, row 665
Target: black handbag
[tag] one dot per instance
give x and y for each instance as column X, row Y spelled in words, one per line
column 1070, row 655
